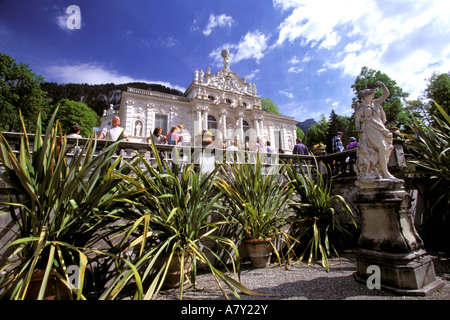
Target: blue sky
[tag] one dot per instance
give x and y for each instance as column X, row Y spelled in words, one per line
column 302, row 54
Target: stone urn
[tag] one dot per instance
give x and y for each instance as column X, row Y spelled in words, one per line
column 259, row 251
column 204, row 138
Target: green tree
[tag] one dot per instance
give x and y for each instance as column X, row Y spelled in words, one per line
column 19, row 89
column 300, row 133
column 317, row 133
column 74, row 112
column 335, row 124
column 419, row 109
column 393, row 106
column 349, row 128
column 438, row 90
column 269, row 106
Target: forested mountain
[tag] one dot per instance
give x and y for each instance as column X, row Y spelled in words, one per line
column 305, row 125
column 97, row 97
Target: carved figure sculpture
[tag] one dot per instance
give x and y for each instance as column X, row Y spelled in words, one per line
column 375, row 144
column 226, row 55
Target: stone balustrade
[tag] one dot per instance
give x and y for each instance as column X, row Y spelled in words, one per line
column 340, row 163
column 157, row 94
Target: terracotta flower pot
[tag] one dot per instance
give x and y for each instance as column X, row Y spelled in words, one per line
column 56, row 289
column 259, row 251
column 172, row 279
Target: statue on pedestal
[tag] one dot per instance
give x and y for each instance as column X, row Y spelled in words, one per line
column 388, row 236
column 375, row 145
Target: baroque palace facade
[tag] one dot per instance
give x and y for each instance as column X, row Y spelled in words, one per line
column 221, row 103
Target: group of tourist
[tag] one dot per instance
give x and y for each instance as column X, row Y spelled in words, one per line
column 338, row 146
column 177, row 136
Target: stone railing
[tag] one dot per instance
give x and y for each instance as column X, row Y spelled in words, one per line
column 157, row 94
column 340, row 163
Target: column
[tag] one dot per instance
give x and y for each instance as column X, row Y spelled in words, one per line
column 198, row 127
column 205, row 118
column 150, row 121
column 241, row 126
column 261, row 126
column 224, row 125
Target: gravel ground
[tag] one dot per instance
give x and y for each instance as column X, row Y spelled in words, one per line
column 301, row 282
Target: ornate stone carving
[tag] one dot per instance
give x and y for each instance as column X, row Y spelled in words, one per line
column 375, row 143
column 227, row 80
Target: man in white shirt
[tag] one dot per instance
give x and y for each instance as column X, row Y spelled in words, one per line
column 112, row 133
column 185, row 136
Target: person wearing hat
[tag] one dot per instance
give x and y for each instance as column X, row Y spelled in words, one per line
column 352, row 143
column 336, row 143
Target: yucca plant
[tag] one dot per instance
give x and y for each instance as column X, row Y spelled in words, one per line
column 257, row 200
column 316, row 211
column 60, row 211
column 429, row 150
column 171, row 222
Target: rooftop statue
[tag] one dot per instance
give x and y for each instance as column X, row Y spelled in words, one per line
column 375, row 144
column 226, row 56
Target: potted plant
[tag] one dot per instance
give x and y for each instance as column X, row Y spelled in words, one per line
column 59, row 210
column 316, row 211
column 257, row 203
column 319, row 149
column 170, row 224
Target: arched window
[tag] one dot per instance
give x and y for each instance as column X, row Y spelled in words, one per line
column 245, row 127
column 212, row 123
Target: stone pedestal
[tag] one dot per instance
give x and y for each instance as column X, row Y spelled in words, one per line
column 389, row 240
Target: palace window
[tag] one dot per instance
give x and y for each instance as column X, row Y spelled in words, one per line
column 161, row 121
column 278, row 141
column 245, row 127
column 212, row 122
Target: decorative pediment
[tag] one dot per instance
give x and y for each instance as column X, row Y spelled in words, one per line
column 227, row 81
column 224, row 79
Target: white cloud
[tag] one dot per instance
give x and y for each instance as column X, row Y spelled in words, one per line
column 406, row 39
column 93, row 73
column 295, row 69
column 306, row 58
column 61, row 22
column 315, row 20
column 353, row 47
column 252, row 75
column 331, row 40
column 253, row 45
column 217, row 21
column 286, row 93
column 294, row 60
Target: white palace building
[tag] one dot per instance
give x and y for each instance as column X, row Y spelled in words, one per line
column 221, row 103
